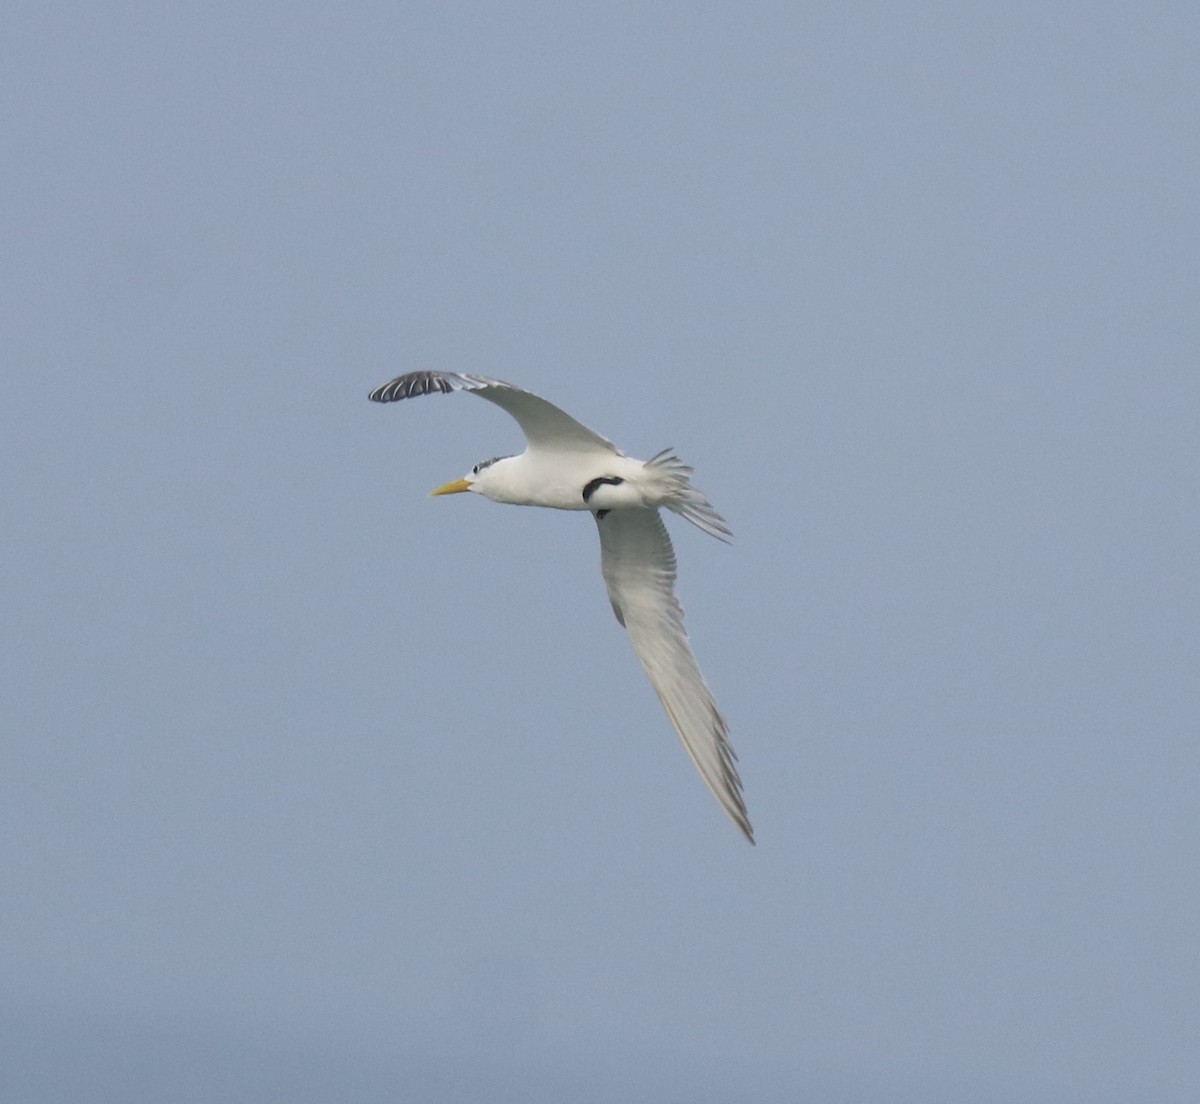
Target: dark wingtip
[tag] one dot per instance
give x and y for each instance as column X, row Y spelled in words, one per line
column 411, row 385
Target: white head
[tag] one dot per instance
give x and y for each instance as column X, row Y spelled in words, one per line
column 481, row 479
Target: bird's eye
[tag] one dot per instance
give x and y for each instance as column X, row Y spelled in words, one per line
column 485, row 464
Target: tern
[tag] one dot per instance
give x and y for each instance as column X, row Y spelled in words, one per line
column 567, row 466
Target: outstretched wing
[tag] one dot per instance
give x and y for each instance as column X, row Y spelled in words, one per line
column 638, row 564
column 544, row 425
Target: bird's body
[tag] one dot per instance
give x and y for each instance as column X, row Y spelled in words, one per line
column 567, row 466
column 526, row 480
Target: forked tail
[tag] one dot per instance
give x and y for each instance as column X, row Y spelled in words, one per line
column 681, row 497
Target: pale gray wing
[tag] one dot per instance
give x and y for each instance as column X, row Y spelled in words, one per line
column 544, row 425
column 638, row 564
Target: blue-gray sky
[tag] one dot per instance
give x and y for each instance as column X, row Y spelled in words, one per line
column 315, row 788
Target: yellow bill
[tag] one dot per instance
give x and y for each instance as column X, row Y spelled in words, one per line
column 455, row 486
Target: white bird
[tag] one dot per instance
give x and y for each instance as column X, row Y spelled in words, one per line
column 567, row 466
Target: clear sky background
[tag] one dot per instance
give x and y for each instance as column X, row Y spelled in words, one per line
column 316, row 789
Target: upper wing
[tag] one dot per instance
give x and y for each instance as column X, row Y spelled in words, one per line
column 544, row 425
column 638, row 564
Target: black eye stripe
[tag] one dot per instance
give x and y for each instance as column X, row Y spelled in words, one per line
column 593, row 485
column 486, row 464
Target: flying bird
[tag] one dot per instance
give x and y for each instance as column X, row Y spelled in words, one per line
column 567, row 466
